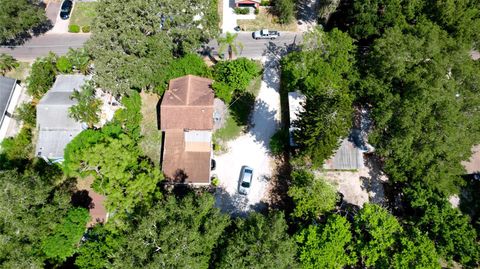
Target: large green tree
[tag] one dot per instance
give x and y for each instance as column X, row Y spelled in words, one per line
column 258, row 242
column 323, row 72
column 179, row 233
column 376, row 232
column 312, row 196
column 328, row 245
column 134, row 39
column 18, row 17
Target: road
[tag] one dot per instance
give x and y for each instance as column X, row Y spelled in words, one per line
column 40, row 46
column 59, row 43
column 257, row 48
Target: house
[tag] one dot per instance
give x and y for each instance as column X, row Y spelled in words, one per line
column 55, row 127
column 247, row 3
column 347, row 157
column 9, row 95
column 186, row 119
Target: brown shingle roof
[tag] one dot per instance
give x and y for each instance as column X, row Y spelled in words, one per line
column 184, row 166
column 187, row 104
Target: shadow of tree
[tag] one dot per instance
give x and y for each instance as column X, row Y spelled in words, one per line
column 373, row 183
column 21, row 38
column 81, row 198
column 307, row 11
column 241, row 107
column 261, row 127
column 236, row 205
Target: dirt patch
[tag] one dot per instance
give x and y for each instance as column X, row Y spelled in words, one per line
column 362, row 186
column 151, row 142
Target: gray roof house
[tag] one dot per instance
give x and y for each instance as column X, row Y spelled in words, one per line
column 9, row 92
column 55, row 128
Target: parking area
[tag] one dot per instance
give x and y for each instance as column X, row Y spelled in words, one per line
column 251, row 149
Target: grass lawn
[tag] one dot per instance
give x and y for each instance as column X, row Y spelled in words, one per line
column 239, row 113
column 265, row 20
column 83, row 13
column 21, row 72
column 151, row 142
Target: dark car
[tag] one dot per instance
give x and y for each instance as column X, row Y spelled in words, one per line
column 66, row 9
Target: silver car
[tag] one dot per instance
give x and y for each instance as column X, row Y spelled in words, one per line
column 246, row 175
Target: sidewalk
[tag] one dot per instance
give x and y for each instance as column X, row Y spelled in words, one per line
column 229, row 17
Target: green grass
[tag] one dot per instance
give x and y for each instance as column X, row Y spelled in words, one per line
column 83, row 13
column 151, row 141
column 239, row 113
column 21, row 72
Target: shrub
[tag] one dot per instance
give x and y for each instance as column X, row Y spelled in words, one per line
column 73, row 28
column 279, row 142
column 241, row 11
column 265, row 3
column 223, row 91
column 42, row 77
column 86, row 28
column 19, row 147
column 215, row 182
column 257, row 11
column 237, row 74
column 26, row 113
column 64, row 65
column 285, row 10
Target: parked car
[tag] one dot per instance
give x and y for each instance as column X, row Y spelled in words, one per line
column 246, row 175
column 66, row 9
column 265, row 34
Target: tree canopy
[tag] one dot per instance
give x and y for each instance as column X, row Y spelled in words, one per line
column 18, row 17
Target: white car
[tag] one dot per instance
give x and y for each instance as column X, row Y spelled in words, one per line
column 246, row 175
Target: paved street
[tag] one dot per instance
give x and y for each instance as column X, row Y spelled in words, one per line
column 41, row 45
column 258, row 48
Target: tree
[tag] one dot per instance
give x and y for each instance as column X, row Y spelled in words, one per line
column 230, row 43
column 157, row 242
column 312, row 196
column 421, row 95
column 18, row 17
column 237, row 74
column 323, row 72
column 32, row 203
column 129, row 58
column 88, row 106
column 285, row 10
column 416, row 251
column 190, row 64
column 447, row 227
column 258, row 242
column 61, row 244
column 79, row 59
column 7, row 63
column 326, row 246
column 376, row 231
column 27, row 113
column 42, row 77
column 64, row 65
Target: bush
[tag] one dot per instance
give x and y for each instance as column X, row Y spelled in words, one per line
column 42, row 77
column 215, row 182
column 190, row 64
column 285, row 10
column 86, row 28
column 26, row 113
column 237, row 74
column 265, row 3
column 19, row 147
column 64, row 65
column 279, row 142
column 241, row 11
column 223, row 91
column 257, row 11
column 73, row 28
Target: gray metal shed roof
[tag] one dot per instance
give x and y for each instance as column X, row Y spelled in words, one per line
column 347, row 157
column 7, row 85
column 51, row 144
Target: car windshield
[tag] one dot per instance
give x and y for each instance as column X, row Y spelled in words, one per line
column 245, row 184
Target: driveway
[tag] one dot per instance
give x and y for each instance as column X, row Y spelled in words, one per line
column 252, row 149
column 229, row 17
column 59, row 26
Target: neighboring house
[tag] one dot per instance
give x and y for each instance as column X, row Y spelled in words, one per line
column 55, row 127
column 247, row 3
column 9, row 94
column 186, row 118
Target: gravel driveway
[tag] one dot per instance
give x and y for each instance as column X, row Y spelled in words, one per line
column 251, row 149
